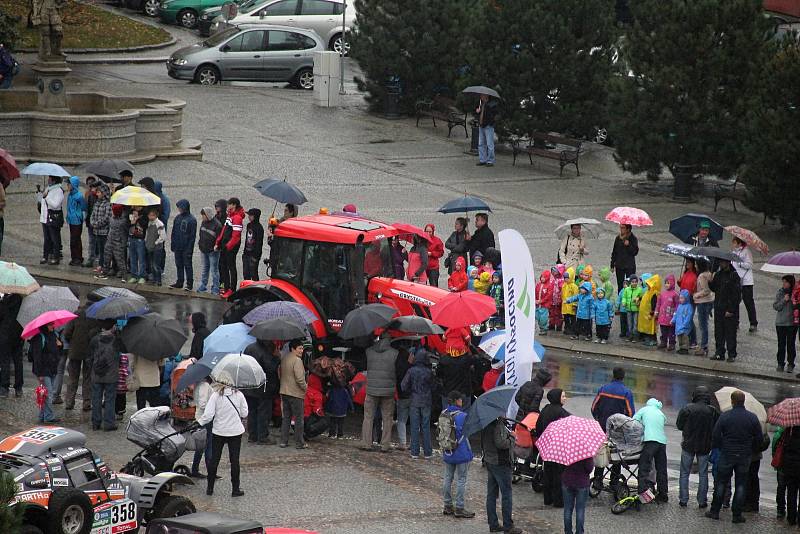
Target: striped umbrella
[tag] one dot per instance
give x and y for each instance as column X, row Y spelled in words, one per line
column 15, row 278
column 749, row 237
column 135, row 196
column 48, row 298
column 786, row 413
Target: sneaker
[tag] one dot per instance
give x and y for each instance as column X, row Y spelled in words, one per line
column 202, row 289
column 603, row 341
column 428, row 457
column 141, row 281
column 448, row 509
column 703, row 505
column 176, row 285
column 283, row 445
column 132, row 280
column 58, row 400
column 101, row 276
column 712, row 515
column 682, row 504
column 683, row 351
column 490, row 164
column 303, row 446
column 415, row 457
column 738, row 518
column 480, row 164
column 187, row 288
column 753, row 330
column 731, row 359
column 779, row 369
column 88, row 263
column 463, row 513
column 701, row 352
column 789, row 368
column 54, row 261
column 596, row 341
column 588, row 338
column 573, row 337
column 237, row 493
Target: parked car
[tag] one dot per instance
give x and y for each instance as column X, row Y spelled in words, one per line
column 322, row 16
column 209, row 17
column 265, row 53
column 185, row 12
column 148, row 7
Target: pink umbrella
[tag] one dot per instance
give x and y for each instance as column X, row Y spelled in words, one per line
column 749, row 237
column 56, row 318
column 571, row 439
column 632, row 216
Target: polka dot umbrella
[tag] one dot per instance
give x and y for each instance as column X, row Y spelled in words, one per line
column 569, row 440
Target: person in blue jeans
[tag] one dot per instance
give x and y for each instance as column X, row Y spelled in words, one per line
column 575, row 491
column 703, row 299
column 737, row 434
column 487, row 112
column 45, row 352
column 456, row 462
column 496, row 442
column 419, row 382
column 210, row 228
column 137, row 253
column 696, row 420
column 184, row 235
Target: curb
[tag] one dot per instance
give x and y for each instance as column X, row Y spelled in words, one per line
column 120, row 50
column 117, row 60
column 694, row 363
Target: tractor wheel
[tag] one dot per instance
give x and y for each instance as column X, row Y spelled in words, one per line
column 172, row 506
column 69, row 512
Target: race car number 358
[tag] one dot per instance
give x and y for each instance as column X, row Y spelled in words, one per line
column 115, row 517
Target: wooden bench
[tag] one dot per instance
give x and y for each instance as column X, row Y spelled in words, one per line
column 734, row 190
column 537, row 146
column 445, row 110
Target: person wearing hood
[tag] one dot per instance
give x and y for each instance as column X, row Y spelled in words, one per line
column 629, row 301
column 115, row 260
column 682, row 321
column 654, row 448
column 166, row 205
column 552, row 471
column 398, row 256
column 260, row 400
column 197, row 321
column 253, row 245
column 584, row 314
column 646, row 320
column 456, row 365
column 435, row 252
column 545, row 289
column 605, row 283
column 665, row 310
column 568, row 310
column 458, row 281
column 418, row 261
column 602, row 314
column 76, row 214
column 381, row 384
column 727, row 289
column 225, row 410
column 457, row 244
column 210, row 228
column 51, row 216
column 104, row 357
column 529, row 396
column 456, row 461
column 184, row 234
column 784, row 324
column 696, row 421
column 228, row 244
column 483, row 283
column 419, row 382
column 497, row 292
column 101, row 222
column 45, row 351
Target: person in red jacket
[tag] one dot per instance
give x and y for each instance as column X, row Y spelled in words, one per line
column 228, row 243
column 435, row 251
column 458, row 281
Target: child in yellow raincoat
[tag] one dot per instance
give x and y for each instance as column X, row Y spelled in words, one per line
column 483, row 283
column 647, row 321
column 586, row 276
column 568, row 310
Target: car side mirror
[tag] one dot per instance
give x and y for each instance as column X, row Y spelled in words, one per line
column 225, row 48
column 262, row 14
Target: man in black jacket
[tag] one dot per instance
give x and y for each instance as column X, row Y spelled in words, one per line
column 253, row 245
column 455, row 374
column 79, row 333
column 727, row 289
column 10, row 344
column 696, row 420
column 623, row 255
column 482, row 238
column 259, row 400
column 496, row 445
column 529, row 396
column 737, row 435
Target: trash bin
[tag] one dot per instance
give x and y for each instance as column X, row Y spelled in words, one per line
column 682, row 190
column 473, row 145
column 391, row 99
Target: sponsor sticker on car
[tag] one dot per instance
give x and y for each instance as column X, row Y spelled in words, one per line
column 41, row 435
column 119, row 516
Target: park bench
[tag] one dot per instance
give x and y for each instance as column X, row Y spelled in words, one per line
column 734, row 190
column 550, row 146
column 445, row 110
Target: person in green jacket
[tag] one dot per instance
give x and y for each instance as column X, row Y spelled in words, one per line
column 780, row 491
column 654, row 448
column 629, row 301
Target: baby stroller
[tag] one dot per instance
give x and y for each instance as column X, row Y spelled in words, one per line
column 619, row 457
column 162, row 445
column 527, row 463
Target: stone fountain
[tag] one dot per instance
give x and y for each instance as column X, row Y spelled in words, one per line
column 49, row 123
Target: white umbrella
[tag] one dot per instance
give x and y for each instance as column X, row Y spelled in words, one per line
column 751, row 404
column 239, row 370
column 563, row 229
column 45, row 169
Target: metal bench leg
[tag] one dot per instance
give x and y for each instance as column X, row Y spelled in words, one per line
column 466, row 134
column 434, row 121
column 716, row 201
column 561, row 172
column 449, row 129
column 530, row 157
column 576, row 168
column 418, row 118
column 514, row 152
column 733, row 200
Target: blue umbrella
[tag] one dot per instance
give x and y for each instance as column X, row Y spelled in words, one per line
column 686, row 226
column 465, row 204
column 45, row 169
column 228, row 338
column 199, row 370
column 488, row 407
column 494, row 344
column 281, row 191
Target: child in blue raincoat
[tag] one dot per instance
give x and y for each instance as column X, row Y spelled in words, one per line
column 584, row 314
column 683, row 321
column 603, row 314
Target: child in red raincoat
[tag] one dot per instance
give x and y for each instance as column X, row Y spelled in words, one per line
column 556, row 319
column 458, row 281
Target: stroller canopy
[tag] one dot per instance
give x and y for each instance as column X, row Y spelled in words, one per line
column 625, row 433
column 152, row 426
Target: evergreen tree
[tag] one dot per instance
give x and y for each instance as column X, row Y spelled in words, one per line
column 771, row 153
column 694, row 73
column 550, row 60
column 8, row 30
column 10, row 517
column 418, row 43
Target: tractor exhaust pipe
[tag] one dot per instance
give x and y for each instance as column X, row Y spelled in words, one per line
column 358, row 270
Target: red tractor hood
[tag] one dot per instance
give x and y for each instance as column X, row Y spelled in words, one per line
column 407, row 297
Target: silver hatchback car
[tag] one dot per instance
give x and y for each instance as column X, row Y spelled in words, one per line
column 262, row 53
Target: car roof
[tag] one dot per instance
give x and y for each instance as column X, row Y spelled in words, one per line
column 40, row 440
column 336, row 228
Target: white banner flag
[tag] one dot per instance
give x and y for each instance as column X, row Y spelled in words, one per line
column 519, row 287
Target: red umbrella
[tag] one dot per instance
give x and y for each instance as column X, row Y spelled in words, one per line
column 358, row 386
column 463, row 308
column 8, row 168
column 409, row 229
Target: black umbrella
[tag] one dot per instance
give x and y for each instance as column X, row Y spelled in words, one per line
column 683, row 250
column 281, row 191
column 280, row 328
column 153, row 336
column 107, row 167
column 364, row 320
column 414, row 324
column 686, row 226
column 715, row 252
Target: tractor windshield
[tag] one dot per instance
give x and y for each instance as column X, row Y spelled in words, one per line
column 328, row 276
column 378, row 259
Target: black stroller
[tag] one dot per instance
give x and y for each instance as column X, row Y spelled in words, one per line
column 152, row 429
column 619, row 458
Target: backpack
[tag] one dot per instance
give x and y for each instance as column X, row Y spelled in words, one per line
column 446, row 431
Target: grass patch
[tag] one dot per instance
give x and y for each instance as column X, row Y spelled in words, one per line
column 87, row 26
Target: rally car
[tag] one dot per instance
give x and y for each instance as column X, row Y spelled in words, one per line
column 67, row 489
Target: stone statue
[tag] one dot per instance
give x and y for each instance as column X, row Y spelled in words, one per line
column 46, row 15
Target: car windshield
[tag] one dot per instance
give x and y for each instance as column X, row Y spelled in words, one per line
column 328, row 276
column 219, row 38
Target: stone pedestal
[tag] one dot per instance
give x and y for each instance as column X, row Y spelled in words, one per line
column 50, row 83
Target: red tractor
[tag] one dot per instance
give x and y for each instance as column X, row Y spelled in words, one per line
column 331, row 264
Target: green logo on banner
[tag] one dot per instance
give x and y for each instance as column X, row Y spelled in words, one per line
column 524, row 302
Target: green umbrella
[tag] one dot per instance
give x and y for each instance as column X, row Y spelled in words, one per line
column 16, row 279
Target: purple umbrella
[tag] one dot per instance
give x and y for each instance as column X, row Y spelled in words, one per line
column 280, row 309
column 783, row 263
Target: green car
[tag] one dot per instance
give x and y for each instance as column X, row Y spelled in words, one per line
column 185, row 12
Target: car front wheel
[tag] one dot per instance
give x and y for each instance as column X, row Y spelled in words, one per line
column 187, row 18
column 304, row 79
column 207, row 75
column 70, row 512
column 150, row 7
